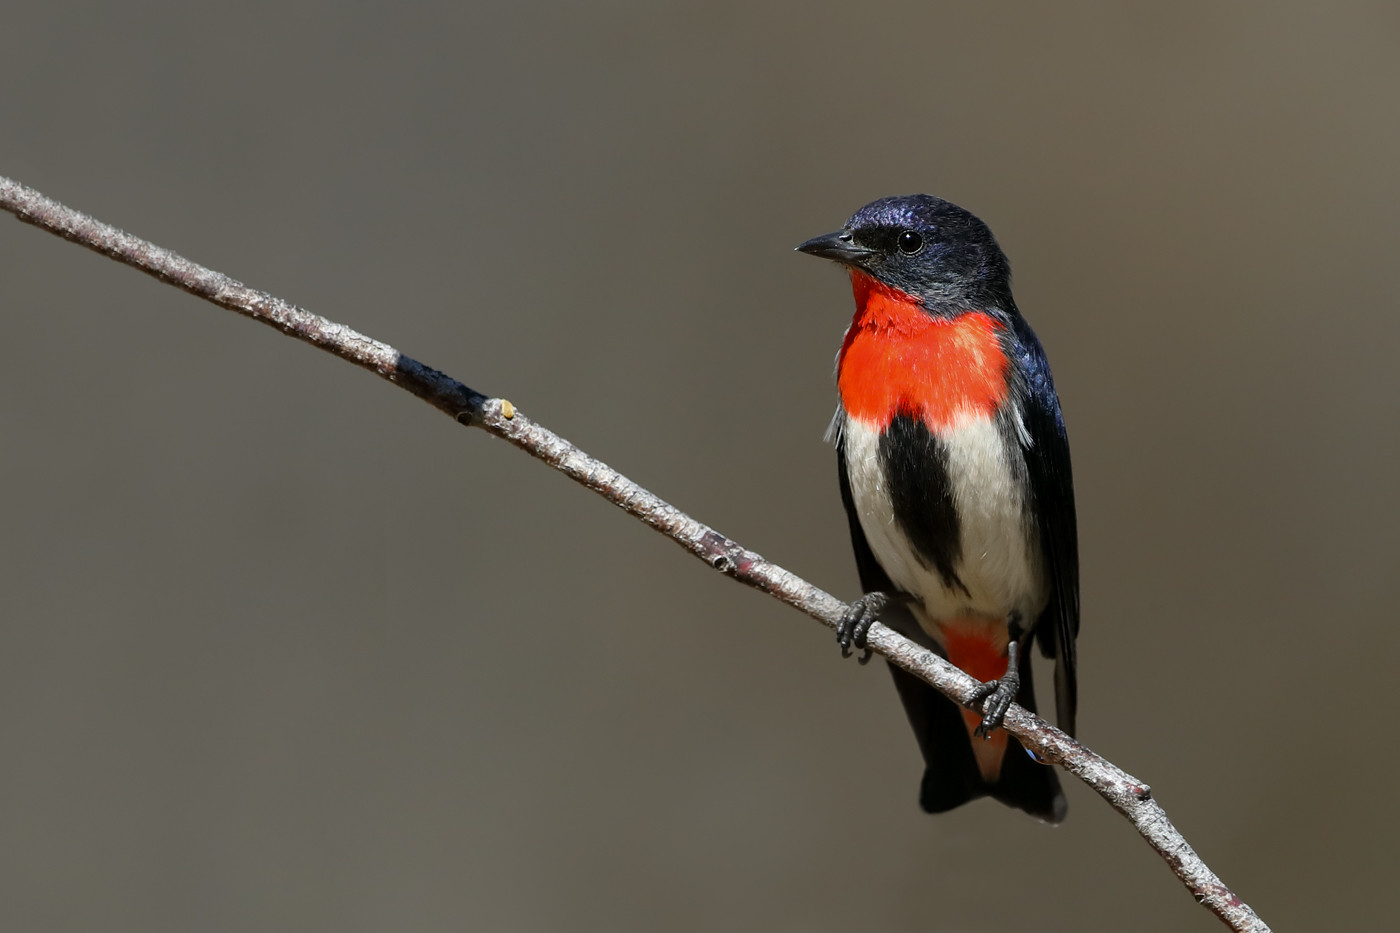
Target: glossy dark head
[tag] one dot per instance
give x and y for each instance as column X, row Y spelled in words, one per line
column 925, row 246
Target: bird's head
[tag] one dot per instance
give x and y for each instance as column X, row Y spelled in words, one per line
column 926, row 247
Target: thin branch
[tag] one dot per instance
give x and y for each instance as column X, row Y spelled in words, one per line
column 1124, row 793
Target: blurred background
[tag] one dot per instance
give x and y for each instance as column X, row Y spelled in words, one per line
column 283, row 648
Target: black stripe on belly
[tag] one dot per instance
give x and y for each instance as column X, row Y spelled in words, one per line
column 916, row 476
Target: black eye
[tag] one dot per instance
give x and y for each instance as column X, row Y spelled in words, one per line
column 910, row 242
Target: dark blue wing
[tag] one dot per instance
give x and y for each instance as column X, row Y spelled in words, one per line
column 1052, row 488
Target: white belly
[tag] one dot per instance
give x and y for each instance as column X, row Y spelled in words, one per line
column 999, row 562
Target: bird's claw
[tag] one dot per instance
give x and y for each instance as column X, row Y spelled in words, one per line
column 996, row 696
column 854, row 626
column 863, row 659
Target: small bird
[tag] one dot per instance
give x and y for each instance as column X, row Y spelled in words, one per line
column 955, row 474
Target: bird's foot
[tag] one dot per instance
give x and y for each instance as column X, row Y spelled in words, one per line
column 996, row 695
column 855, row 624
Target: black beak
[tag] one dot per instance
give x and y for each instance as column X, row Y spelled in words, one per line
column 838, row 246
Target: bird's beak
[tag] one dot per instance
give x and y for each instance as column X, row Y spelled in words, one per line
column 838, row 246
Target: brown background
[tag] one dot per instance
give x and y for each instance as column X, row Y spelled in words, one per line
column 283, row 648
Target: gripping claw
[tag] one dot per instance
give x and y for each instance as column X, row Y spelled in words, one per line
column 997, row 695
column 855, row 624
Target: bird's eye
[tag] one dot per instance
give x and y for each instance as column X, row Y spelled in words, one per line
column 910, row 242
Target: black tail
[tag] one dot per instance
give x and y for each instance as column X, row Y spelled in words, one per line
column 952, row 778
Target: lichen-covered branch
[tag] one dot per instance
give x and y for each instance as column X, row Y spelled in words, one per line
column 1124, row 792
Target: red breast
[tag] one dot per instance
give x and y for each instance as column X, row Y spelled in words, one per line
column 899, row 359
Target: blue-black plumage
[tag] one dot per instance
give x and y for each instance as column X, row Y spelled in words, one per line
column 955, row 474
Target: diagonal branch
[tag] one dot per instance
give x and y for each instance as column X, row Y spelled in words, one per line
column 1124, row 793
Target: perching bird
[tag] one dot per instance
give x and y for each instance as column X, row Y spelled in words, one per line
column 955, row 475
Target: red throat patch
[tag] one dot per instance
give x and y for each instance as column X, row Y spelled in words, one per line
column 899, row 359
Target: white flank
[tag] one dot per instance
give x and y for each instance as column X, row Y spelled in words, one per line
column 872, row 500
column 1000, row 556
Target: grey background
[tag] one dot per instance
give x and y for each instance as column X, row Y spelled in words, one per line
column 282, row 648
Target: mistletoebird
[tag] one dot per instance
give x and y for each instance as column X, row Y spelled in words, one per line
column 955, row 473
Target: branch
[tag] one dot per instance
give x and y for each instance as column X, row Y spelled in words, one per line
column 1124, row 793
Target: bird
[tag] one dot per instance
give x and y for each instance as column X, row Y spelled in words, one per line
column 954, row 470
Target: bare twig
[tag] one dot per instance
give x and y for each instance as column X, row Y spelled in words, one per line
column 1125, row 793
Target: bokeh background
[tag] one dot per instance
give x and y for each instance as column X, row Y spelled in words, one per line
column 283, row 648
